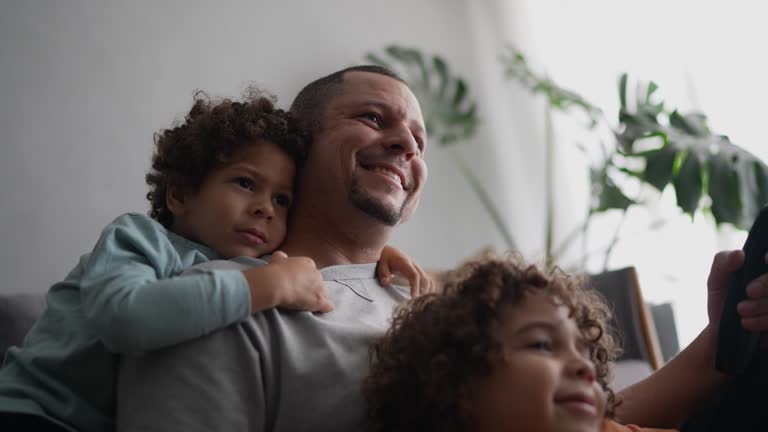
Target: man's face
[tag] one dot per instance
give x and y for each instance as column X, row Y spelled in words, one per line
column 371, row 145
column 544, row 380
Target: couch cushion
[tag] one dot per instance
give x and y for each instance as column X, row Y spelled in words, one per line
column 18, row 312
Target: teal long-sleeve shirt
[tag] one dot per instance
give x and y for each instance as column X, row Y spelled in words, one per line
column 125, row 297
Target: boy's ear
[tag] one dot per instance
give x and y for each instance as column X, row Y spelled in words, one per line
column 174, row 200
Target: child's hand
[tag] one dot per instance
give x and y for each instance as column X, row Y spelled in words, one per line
column 290, row 283
column 394, row 262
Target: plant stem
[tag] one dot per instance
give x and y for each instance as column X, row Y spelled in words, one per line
column 549, row 182
column 614, row 240
column 485, row 199
column 573, row 235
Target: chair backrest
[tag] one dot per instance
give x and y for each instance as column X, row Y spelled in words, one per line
column 666, row 329
column 632, row 321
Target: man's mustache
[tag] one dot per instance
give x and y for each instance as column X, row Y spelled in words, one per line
column 380, row 158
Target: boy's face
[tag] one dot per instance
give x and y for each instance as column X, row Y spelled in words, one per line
column 242, row 207
column 544, row 380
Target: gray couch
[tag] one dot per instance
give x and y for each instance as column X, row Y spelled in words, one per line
column 18, row 313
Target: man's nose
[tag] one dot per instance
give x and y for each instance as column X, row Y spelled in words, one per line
column 402, row 142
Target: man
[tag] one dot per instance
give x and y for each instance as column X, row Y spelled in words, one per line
column 293, row 371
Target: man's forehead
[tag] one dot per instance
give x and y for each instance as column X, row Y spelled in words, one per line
column 377, row 89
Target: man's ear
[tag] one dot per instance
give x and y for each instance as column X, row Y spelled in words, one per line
column 174, row 200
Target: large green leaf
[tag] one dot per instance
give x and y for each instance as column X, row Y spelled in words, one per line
column 450, row 112
column 689, row 183
column 659, row 166
column 712, row 165
column 724, row 189
column 611, row 197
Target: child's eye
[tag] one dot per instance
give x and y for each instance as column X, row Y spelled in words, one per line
column 282, row 201
column 245, row 183
column 540, row 345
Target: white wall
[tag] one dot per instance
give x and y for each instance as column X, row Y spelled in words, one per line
column 84, row 84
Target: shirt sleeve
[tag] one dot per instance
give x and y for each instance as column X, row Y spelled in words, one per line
column 612, row 426
column 134, row 302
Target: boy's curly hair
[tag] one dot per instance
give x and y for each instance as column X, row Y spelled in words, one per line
column 439, row 343
column 212, row 132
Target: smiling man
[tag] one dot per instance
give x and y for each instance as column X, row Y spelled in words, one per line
column 294, row 371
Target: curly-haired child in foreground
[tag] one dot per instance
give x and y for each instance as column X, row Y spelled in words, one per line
column 506, row 347
column 221, row 187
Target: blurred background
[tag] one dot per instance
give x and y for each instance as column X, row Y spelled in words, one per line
column 85, row 84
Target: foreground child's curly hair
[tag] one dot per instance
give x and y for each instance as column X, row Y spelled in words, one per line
column 212, row 132
column 439, row 343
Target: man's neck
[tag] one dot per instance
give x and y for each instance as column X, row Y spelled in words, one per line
column 334, row 242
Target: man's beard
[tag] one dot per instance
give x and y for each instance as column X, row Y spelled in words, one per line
column 361, row 199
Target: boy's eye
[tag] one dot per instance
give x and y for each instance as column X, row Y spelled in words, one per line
column 245, row 183
column 282, row 201
column 541, row 345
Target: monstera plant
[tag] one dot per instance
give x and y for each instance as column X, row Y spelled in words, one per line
column 657, row 145
column 674, row 149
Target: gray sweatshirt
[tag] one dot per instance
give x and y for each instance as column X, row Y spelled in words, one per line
column 278, row 370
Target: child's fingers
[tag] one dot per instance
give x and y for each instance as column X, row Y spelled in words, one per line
column 319, row 300
column 384, row 273
column 414, row 279
column 427, row 286
column 278, row 255
column 425, row 282
column 325, row 306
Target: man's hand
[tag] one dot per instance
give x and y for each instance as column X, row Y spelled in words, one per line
column 394, row 262
column 288, row 282
column 723, row 265
column 754, row 310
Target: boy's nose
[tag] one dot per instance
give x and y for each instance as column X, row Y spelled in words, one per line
column 264, row 209
column 582, row 367
column 587, row 373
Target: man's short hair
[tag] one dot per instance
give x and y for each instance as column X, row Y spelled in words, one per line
column 309, row 105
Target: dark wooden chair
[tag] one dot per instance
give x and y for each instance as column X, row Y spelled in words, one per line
column 632, row 320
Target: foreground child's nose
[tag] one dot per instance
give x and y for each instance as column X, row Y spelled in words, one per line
column 587, row 373
column 582, row 367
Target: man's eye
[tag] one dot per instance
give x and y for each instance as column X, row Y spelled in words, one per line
column 420, row 143
column 245, row 183
column 282, row 201
column 375, row 118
